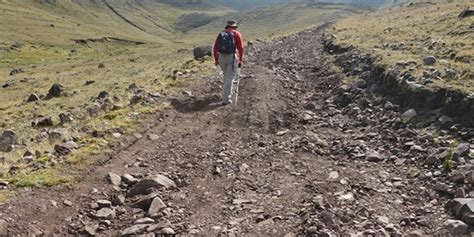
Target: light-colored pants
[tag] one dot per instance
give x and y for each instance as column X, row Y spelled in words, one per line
column 228, row 64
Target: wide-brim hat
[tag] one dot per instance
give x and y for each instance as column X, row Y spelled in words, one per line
column 232, row 24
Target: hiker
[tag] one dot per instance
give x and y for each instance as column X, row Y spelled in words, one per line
column 227, row 43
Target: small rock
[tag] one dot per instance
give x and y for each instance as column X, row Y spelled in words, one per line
column 155, row 181
column 359, row 84
column 65, row 148
column 375, row 157
column 167, row 231
column 157, row 205
column 389, row 106
column 103, row 95
column 415, row 233
column 429, row 60
column 7, row 140
column 3, row 228
column 105, row 214
column 104, row 203
column 65, row 118
column 56, row 90
column 90, row 230
column 283, row 132
column 114, row 179
column 101, row 65
column 119, row 200
column 129, row 180
column 67, row 203
column 135, row 230
column 32, row 98
column 145, row 220
column 43, row 122
column 408, row 115
column 456, row 227
column 153, row 137
column 334, row 175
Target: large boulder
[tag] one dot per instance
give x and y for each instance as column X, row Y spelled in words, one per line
column 202, row 51
column 7, row 139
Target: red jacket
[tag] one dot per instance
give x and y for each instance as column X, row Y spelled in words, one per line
column 239, row 45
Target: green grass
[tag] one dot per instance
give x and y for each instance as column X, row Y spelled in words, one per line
column 424, row 30
column 47, row 178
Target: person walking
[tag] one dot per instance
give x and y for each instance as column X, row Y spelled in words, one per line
column 227, row 44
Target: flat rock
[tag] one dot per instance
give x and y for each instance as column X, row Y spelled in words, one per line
column 143, row 221
column 104, row 203
column 375, row 157
column 157, row 205
column 429, row 60
column 145, row 201
column 156, row 181
column 3, row 228
column 114, row 179
column 105, row 214
column 153, row 137
column 456, row 227
column 129, row 179
column 135, row 230
column 408, row 115
column 65, row 148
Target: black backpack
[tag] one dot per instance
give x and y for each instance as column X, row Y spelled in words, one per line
column 226, row 42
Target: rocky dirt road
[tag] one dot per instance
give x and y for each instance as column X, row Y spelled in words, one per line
column 290, row 159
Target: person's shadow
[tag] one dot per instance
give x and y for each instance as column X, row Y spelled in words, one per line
column 193, row 104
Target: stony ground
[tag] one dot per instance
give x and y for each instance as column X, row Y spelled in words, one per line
column 300, row 154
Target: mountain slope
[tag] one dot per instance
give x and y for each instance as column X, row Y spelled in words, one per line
column 282, row 19
column 58, row 22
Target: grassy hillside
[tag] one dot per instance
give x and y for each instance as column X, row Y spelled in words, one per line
column 277, row 20
column 412, row 32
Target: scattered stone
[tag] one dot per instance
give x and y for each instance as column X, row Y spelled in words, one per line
column 202, row 51
column 283, row 132
column 32, row 98
column 101, row 65
column 408, row 115
column 157, row 205
column 135, row 230
column 104, row 203
column 7, row 140
column 67, row 203
column 466, row 13
column 129, row 180
column 56, row 90
column 334, row 175
column 153, row 137
column 119, row 200
column 145, row 201
column 3, row 228
column 43, row 122
column 105, row 213
column 167, row 231
column 461, row 151
column 429, row 60
column 65, row 148
column 143, row 221
column 389, row 106
column 156, row 181
column 456, row 227
column 16, row 71
column 90, row 230
column 103, row 95
column 65, row 118
column 57, row 133
column 359, row 84
column 442, row 187
column 375, row 157
column 114, row 179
